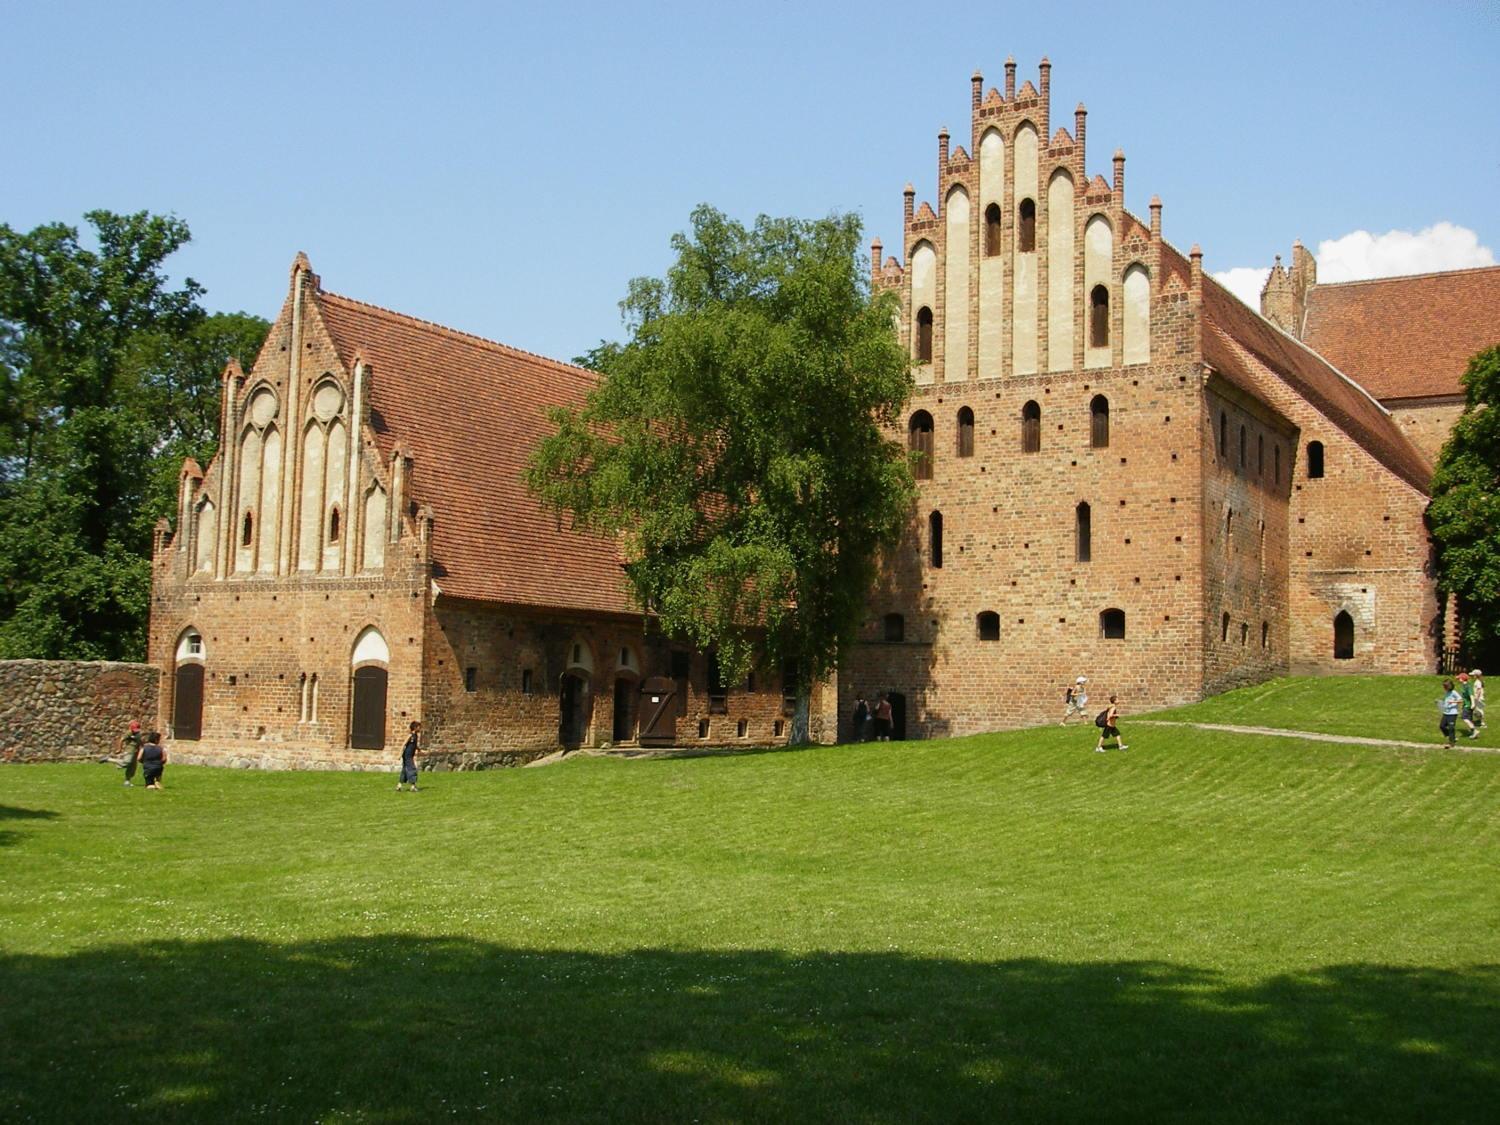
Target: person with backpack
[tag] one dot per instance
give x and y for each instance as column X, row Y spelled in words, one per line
column 860, row 718
column 1108, row 723
column 131, row 745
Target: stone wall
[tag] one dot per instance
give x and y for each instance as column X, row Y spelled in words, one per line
column 61, row 710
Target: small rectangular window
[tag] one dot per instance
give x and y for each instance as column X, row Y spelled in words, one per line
column 471, row 678
column 702, row 728
column 526, row 681
column 750, row 683
column 741, row 728
column 776, row 728
column 718, row 691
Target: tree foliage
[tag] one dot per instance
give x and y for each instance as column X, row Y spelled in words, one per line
column 735, row 442
column 1465, row 510
column 108, row 377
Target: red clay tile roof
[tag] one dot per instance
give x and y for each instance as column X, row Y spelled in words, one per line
column 469, row 411
column 1406, row 337
column 1246, row 349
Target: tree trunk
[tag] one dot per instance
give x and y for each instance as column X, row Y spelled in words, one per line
column 800, row 735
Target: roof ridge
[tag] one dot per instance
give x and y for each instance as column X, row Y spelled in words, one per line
column 1403, row 277
column 1319, row 356
column 432, row 325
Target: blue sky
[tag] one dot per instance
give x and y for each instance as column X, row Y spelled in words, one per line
column 505, row 169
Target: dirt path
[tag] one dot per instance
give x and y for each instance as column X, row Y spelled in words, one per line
column 1313, row 736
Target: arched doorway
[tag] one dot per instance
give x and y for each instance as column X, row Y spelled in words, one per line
column 370, row 659
column 626, row 695
column 1343, row 636
column 898, row 715
column 187, row 688
column 574, row 706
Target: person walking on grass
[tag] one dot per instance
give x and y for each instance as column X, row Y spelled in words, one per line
column 1108, row 723
column 1466, row 708
column 131, row 744
column 409, row 759
column 1075, row 700
column 1448, row 709
column 1476, row 683
column 153, row 760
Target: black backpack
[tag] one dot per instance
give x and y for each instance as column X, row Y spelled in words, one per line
column 1100, row 717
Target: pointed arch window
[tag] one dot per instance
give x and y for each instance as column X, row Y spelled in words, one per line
column 1223, row 434
column 935, row 540
column 1099, row 422
column 965, row 432
column 247, row 530
column 988, row 625
column 919, row 441
column 1026, row 226
column 1224, row 627
column 1243, row 439
column 333, row 525
column 924, row 335
column 992, row 230
column 1276, row 456
column 1260, row 455
column 1083, row 532
column 1099, row 317
column 1314, row 459
column 1031, row 428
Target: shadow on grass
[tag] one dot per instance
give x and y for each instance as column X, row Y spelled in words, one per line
column 410, row 1029
column 14, row 812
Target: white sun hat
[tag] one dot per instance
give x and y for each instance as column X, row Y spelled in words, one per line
column 1083, row 679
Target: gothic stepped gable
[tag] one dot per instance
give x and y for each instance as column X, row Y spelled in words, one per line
column 468, row 412
column 1406, row 337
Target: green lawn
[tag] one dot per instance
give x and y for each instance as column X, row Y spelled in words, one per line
column 1399, row 707
column 1003, row 927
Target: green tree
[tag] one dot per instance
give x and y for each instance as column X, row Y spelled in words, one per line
column 735, row 443
column 1465, row 510
column 101, row 391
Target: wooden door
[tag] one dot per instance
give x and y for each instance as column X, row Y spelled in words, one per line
column 187, row 703
column 367, row 725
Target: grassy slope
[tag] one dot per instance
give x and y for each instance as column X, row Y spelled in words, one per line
column 1400, row 707
column 1207, row 925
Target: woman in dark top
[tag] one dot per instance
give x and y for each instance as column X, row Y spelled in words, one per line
column 153, row 760
column 409, row 759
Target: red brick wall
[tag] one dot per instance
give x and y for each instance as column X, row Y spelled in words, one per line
column 1244, row 520
column 1426, row 425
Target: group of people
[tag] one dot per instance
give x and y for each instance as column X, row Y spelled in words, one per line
column 1464, row 702
column 871, row 723
column 1076, row 702
column 145, row 751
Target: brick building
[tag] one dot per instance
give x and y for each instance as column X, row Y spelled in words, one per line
column 1406, row 340
column 363, row 553
column 1125, row 472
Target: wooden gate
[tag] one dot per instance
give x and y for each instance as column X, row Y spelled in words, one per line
column 658, row 712
column 187, row 703
column 367, row 724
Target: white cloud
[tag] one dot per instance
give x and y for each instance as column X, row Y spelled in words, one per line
column 1244, row 282
column 1360, row 255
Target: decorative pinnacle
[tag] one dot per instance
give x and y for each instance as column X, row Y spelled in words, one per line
column 909, row 190
column 1196, row 251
